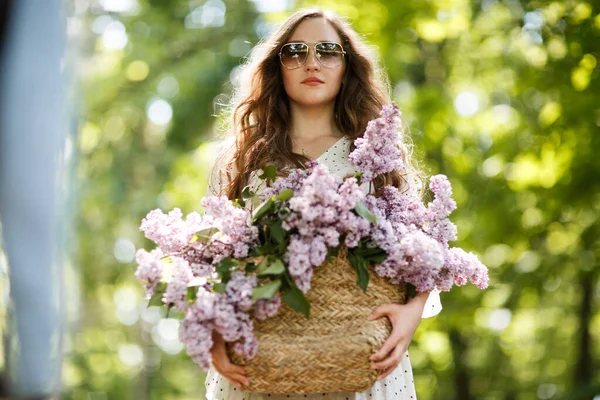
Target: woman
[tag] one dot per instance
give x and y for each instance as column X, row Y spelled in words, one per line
column 305, row 94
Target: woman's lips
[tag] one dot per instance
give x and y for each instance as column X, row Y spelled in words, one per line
column 312, row 83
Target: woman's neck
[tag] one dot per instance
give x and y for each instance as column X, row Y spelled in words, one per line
column 310, row 123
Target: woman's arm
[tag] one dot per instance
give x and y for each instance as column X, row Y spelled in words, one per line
column 418, row 302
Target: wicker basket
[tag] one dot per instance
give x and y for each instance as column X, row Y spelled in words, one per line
column 329, row 352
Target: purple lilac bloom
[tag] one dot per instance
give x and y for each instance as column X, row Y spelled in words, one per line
column 169, row 231
column 177, row 285
column 265, row 308
column 234, row 224
column 294, row 180
column 150, row 268
column 322, row 210
column 438, row 226
column 426, row 258
column 378, row 152
column 239, row 290
column 463, row 266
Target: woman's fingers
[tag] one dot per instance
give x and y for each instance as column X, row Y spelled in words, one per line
column 390, row 344
column 238, row 379
column 380, row 311
column 234, row 377
column 386, row 373
column 223, row 364
column 393, row 360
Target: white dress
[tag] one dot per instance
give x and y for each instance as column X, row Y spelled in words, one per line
column 399, row 385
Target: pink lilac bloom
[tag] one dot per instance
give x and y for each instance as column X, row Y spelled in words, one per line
column 177, row 285
column 224, row 313
column 438, row 225
column 234, row 224
column 150, row 268
column 169, row 231
column 378, row 152
column 197, row 337
column 239, row 290
column 463, row 266
column 416, row 238
column 266, row 308
column 196, row 328
column 321, row 211
column 294, row 180
column 426, row 256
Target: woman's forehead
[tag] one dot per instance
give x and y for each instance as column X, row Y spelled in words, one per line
column 314, row 30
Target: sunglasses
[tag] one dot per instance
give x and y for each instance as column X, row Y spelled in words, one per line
column 294, row 55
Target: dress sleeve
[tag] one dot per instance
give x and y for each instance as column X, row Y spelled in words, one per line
column 433, row 305
column 213, row 186
column 217, row 177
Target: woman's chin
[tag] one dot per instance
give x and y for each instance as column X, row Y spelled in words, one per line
column 313, row 101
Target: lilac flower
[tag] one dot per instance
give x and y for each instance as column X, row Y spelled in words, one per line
column 438, row 226
column 197, row 337
column 294, row 180
column 265, row 308
column 239, row 290
column 150, row 268
column 463, row 266
column 426, row 258
column 377, row 152
column 169, row 231
column 177, row 285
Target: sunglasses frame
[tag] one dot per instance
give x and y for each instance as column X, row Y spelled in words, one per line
column 314, row 47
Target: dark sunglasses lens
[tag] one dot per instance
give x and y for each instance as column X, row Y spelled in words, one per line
column 293, row 55
column 330, row 54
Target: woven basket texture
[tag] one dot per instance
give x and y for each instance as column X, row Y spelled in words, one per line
column 328, row 352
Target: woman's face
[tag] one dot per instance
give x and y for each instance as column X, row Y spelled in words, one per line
column 306, row 93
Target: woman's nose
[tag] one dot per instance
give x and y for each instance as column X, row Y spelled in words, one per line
column 311, row 62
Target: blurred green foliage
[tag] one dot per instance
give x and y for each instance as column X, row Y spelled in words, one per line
column 501, row 96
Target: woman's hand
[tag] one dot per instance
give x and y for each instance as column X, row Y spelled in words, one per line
column 223, row 364
column 405, row 318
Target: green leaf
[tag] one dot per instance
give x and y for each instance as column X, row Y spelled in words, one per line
column 264, row 264
column 250, row 267
column 247, row 193
column 411, row 290
column 204, row 235
column 269, row 172
column 219, row 287
column 277, row 232
column 361, row 267
column 156, row 299
column 373, row 254
column 266, row 291
column 285, row 194
column 362, row 210
column 263, row 208
column 333, row 251
column 239, row 203
column 224, row 268
column 191, row 293
column 296, row 300
column 275, row 268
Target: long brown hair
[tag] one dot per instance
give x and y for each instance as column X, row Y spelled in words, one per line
column 259, row 112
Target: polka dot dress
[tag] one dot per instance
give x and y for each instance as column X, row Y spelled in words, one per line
column 399, row 385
